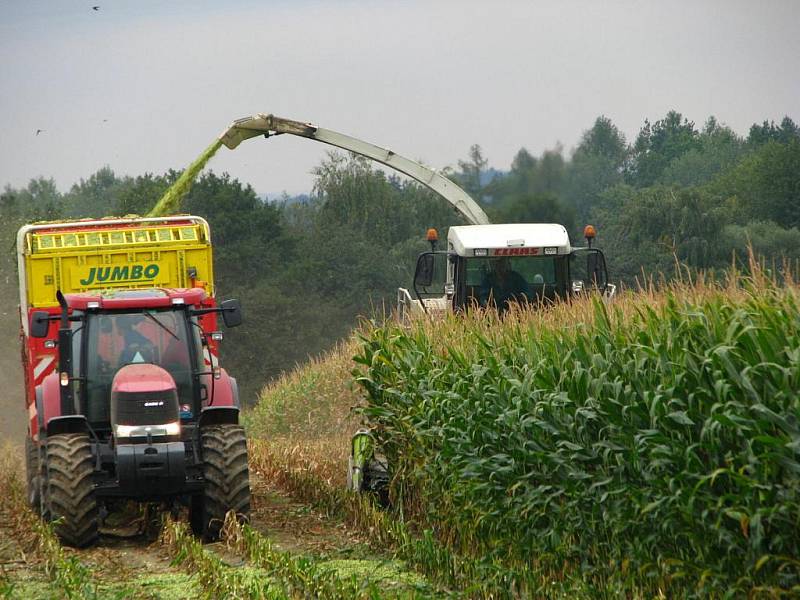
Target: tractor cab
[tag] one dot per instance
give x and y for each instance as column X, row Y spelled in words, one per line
column 130, row 355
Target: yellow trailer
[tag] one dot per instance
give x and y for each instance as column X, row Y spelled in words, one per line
column 129, row 253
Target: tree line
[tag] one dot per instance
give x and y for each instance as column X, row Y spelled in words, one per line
column 305, row 270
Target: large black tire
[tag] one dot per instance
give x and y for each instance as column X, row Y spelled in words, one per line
column 33, row 474
column 68, row 493
column 227, row 480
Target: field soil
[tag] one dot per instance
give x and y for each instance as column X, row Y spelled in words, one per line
column 126, row 564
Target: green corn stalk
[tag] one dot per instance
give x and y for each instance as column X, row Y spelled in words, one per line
column 389, row 531
column 650, row 445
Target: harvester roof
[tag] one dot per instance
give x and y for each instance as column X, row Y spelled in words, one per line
column 464, row 240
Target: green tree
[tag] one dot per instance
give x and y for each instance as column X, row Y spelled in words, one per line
column 540, row 207
column 596, row 165
column 604, row 140
column 765, row 185
column 658, row 145
column 769, row 132
column 247, row 232
column 93, row 197
column 539, row 181
column 778, row 246
column 649, row 229
column 720, row 149
column 518, row 181
column 139, row 194
column 470, row 175
column 40, row 200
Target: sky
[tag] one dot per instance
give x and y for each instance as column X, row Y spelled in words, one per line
column 145, row 86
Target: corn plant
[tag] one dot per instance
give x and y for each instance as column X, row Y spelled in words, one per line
column 649, row 446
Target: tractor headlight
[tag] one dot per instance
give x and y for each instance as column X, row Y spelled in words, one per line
column 130, row 431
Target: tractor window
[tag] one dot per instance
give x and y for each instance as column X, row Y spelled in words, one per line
column 520, row 278
column 77, row 358
column 114, row 340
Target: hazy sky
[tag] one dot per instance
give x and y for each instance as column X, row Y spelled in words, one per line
column 145, row 86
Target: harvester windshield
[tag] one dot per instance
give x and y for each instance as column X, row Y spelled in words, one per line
column 113, row 340
column 499, row 280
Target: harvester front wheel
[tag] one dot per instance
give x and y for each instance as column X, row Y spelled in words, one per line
column 227, row 480
column 69, row 497
column 376, row 480
column 33, row 474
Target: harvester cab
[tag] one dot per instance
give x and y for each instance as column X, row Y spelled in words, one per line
column 494, row 265
column 125, row 392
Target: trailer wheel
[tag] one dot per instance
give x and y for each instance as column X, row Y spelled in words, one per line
column 68, row 493
column 33, row 474
column 227, row 480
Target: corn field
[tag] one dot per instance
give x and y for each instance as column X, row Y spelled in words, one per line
column 650, row 446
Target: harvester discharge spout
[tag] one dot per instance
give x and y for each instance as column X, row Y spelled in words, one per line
column 268, row 125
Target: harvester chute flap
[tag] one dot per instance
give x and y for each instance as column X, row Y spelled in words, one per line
column 262, row 124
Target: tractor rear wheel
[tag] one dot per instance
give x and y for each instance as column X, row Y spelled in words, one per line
column 33, row 474
column 68, row 492
column 227, row 480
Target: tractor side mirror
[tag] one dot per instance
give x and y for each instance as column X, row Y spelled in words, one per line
column 40, row 324
column 423, row 276
column 231, row 313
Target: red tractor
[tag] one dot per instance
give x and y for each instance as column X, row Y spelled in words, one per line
column 124, row 390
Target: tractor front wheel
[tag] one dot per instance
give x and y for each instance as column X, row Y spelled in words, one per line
column 227, row 480
column 68, row 491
